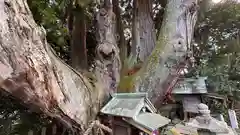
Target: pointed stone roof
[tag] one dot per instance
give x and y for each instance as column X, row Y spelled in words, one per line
column 127, row 104
column 191, row 86
column 136, row 109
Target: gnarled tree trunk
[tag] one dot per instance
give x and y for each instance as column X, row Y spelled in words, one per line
column 30, row 70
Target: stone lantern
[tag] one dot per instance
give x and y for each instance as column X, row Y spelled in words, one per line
column 209, row 124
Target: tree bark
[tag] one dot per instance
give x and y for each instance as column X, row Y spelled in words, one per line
column 30, row 70
column 144, row 35
column 143, row 42
column 158, row 71
column 173, row 44
column 107, row 63
column 78, row 44
column 121, row 38
column 69, row 16
column 135, row 32
column 159, row 17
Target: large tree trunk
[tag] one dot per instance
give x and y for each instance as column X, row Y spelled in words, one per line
column 31, row 71
column 159, row 70
column 174, row 40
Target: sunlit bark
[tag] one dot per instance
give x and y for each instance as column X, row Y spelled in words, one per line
column 172, row 45
column 32, row 72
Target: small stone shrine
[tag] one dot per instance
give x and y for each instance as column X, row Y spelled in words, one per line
column 188, row 93
column 133, row 114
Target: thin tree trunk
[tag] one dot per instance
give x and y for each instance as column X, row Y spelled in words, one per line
column 69, row 16
column 135, row 32
column 122, row 42
column 78, row 44
column 159, row 17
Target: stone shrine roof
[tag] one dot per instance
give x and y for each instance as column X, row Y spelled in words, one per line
column 136, row 109
column 127, row 104
column 191, row 86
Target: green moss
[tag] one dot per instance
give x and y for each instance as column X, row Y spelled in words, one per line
column 154, row 58
column 127, row 82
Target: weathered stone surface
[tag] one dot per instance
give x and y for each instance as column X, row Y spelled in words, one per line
column 205, row 121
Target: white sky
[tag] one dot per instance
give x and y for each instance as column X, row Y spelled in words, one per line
column 217, row 1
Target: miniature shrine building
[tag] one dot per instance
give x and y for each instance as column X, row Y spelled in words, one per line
column 133, row 114
column 188, row 93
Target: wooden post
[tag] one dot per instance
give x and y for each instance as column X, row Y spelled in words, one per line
column 185, row 116
column 54, row 129
column 30, row 132
column 43, row 132
column 129, row 131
